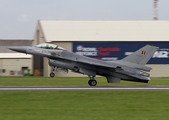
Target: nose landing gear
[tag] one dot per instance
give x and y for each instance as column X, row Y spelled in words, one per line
column 92, row 81
column 52, row 74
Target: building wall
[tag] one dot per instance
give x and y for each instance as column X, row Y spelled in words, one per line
column 38, row 37
column 66, row 45
column 159, row 70
column 47, row 69
column 14, row 65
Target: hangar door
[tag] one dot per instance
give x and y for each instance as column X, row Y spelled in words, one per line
column 37, row 65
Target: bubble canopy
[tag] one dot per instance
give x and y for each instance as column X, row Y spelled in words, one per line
column 49, row 46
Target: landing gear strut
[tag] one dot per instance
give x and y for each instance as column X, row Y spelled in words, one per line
column 52, row 74
column 92, row 81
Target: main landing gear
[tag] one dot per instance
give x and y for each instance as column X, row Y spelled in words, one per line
column 52, row 74
column 92, row 81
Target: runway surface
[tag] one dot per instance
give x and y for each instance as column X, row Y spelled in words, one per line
column 113, row 88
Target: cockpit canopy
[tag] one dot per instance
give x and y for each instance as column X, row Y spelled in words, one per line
column 49, row 46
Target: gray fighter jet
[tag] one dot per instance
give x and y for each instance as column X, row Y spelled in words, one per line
column 130, row 68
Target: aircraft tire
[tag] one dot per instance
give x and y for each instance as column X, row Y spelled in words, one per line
column 89, row 82
column 52, row 74
column 92, row 82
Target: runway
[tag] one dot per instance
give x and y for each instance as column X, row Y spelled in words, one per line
column 113, row 88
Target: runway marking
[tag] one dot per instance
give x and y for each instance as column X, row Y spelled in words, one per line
column 79, row 88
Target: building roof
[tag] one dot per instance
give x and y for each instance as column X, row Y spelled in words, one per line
column 104, row 30
column 14, row 55
column 4, row 44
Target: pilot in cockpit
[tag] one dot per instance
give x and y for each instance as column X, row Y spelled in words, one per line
column 50, row 46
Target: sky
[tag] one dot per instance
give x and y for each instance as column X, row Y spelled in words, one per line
column 19, row 17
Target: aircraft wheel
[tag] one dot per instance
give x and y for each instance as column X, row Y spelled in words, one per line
column 52, row 74
column 89, row 82
column 92, row 82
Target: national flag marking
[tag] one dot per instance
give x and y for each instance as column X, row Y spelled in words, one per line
column 143, row 52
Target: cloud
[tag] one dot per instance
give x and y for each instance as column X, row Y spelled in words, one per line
column 24, row 18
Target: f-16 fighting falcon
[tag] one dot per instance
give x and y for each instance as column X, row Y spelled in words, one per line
column 130, row 68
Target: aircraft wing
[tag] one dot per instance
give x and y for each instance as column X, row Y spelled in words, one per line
column 90, row 61
column 98, row 64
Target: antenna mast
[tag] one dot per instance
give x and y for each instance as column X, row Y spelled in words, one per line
column 155, row 17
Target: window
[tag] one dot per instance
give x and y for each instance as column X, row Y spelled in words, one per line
column 3, row 70
column 49, row 46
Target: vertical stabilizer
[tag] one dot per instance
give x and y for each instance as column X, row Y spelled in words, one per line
column 141, row 56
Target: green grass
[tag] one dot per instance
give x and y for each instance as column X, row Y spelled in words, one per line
column 84, row 105
column 44, row 81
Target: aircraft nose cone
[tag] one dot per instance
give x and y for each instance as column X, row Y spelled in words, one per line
column 21, row 49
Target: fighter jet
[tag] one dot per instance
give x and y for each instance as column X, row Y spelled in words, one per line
column 130, row 68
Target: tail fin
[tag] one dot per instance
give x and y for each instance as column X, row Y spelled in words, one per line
column 141, row 56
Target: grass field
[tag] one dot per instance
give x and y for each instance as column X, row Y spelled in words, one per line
column 44, row 81
column 84, row 105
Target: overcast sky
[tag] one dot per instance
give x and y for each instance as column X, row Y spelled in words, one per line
column 19, row 17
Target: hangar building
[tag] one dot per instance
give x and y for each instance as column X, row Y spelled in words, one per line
column 14, row 63
column 106, row 40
